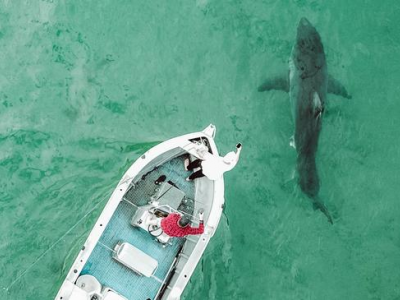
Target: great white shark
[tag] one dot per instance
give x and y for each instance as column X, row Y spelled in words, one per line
column 307, row 83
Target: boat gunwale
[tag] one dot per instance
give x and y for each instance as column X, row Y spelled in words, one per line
column 118, row 195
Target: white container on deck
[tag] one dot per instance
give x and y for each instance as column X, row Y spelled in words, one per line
column 208, row 196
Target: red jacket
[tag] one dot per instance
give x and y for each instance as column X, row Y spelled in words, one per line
column 171, row 227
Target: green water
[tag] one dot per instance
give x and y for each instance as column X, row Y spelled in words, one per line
column 87, row 86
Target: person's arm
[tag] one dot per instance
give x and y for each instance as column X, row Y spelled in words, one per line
column 198, row 230
column 230, row 160
column 238, row 149
column 195, row 231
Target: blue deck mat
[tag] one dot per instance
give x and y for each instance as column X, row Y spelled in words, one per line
column 112, row 274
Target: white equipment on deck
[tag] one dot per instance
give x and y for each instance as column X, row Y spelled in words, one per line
column 134, row 259
column 120, row 259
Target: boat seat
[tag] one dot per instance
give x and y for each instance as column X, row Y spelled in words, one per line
column 89, row 284
column 110, row 294
column 77, row 294
column 135, row 259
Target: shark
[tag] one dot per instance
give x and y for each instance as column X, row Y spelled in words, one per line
column 308, row 84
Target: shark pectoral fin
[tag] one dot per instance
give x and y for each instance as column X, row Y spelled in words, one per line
column 335, row 87
column 277, row 83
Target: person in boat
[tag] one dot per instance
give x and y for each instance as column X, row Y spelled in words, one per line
column 176, row 225
column 213, row 166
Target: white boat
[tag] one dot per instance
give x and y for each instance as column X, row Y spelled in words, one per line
column 124, row 257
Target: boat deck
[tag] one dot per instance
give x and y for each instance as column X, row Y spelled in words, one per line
column 112, row 274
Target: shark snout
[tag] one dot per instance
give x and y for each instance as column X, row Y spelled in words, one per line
column 305, row 30
column 304, row 22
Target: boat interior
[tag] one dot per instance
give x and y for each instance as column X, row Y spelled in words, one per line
column 135, row 260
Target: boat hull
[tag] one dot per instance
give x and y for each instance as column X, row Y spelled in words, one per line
column 181, row 256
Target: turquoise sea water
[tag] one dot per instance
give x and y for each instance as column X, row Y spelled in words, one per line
column 87, row 86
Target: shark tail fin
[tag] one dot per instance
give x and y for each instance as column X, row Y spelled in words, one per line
column 317, row 203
